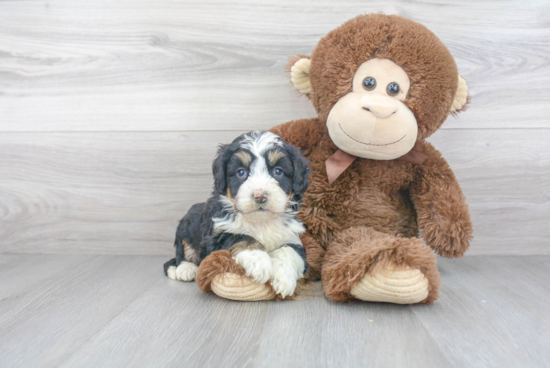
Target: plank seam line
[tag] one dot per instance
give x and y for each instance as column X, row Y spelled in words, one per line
column 223, row 130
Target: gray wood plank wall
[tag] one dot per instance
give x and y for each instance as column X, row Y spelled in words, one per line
column 111, row 111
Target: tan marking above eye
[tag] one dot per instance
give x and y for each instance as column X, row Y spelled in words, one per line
column 244, row 157
column 274, row 156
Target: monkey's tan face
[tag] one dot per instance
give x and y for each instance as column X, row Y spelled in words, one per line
column 371, row 121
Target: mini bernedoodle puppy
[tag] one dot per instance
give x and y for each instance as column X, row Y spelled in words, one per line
column 259, row 180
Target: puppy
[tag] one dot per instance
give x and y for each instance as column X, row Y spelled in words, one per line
column 259, row 180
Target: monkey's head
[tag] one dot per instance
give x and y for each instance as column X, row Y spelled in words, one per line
column 380, row 83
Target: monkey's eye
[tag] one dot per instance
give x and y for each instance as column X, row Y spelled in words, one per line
column 277, row 172
column 393, row 89
column 369, row 83
column 241, row 173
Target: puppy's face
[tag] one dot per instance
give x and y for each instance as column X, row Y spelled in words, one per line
column 261, row 174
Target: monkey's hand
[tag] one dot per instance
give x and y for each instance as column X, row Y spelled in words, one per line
column 443, row 214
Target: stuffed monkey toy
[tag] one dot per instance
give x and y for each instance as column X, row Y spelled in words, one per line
column 381, row 199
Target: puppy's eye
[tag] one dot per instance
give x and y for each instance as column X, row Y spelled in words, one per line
column 241, row 173
column 369, row 83
column 277, row 172
column 393, row 89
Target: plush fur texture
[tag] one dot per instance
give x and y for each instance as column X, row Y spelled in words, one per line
column 219, row 262
column 357, row 251
column 429, row 65
column 372, row 215
column 389, row 197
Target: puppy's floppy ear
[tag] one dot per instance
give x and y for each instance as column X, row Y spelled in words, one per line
column 219, row 167
column 301, row 173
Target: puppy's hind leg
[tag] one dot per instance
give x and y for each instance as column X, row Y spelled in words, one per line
column 170, row 268
column 184, row 266
column 186, row 271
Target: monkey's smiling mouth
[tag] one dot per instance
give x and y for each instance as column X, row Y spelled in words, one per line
column 370, row 144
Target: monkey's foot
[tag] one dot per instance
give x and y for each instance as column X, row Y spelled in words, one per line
column 364, row 264
column 220, row 274
column 392, row 284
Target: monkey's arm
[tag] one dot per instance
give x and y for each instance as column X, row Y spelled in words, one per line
column 443, row 214
column 314, row 256
column 303, row 133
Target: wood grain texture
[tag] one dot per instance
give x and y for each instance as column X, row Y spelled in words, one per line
column 123, row 193
column 194, row 65
column 320, row 333
column 115, row 311
column 500, row 294
column 48, row 323
column 111, row 111
column 18, row 287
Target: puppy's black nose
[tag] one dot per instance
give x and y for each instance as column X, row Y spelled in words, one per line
column 260, row 196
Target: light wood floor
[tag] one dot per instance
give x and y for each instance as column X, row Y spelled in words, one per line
column 120, row 311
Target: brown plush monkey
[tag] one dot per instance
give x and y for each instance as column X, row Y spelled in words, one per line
column 380, row 85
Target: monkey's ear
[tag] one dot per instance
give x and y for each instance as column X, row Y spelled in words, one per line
column 299, row 75
column 461, row 97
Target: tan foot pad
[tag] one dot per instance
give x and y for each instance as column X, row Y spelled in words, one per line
column 402, row 285
column 237, row 287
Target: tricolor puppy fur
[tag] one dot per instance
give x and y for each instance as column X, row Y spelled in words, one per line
column 259, row 180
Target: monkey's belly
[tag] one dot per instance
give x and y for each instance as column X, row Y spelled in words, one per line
column 388, row 214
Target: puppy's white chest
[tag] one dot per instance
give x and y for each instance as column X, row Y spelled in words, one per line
column 276, row 234
column 272, row 234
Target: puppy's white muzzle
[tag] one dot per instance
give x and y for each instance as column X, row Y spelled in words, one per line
column 259, row 194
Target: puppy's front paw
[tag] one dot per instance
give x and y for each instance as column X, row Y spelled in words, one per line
column 256, row 263
column 283, row 280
